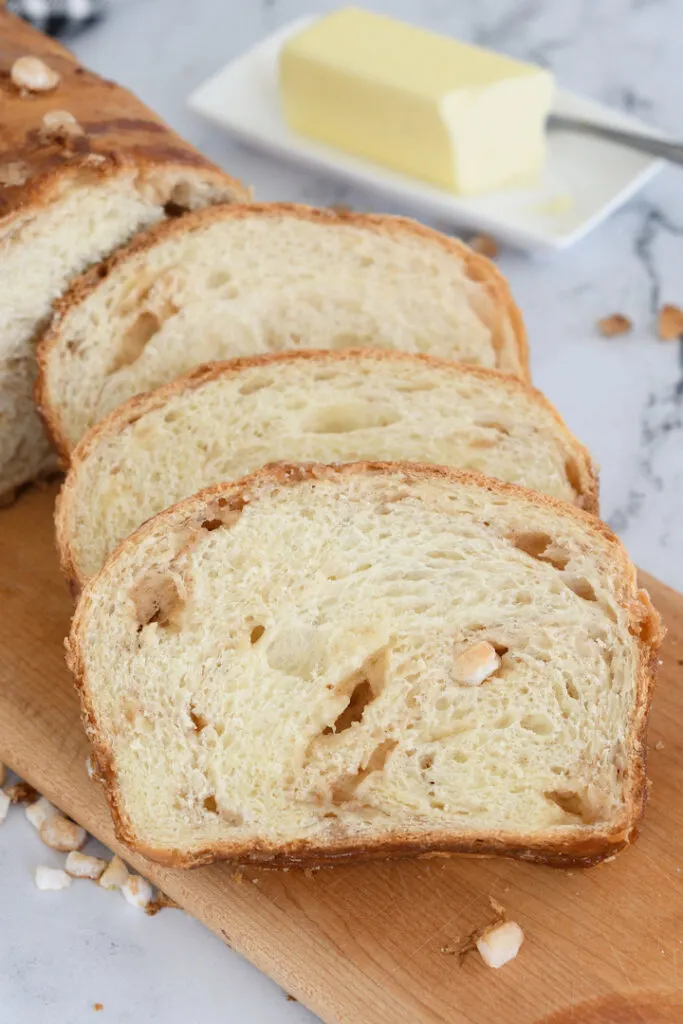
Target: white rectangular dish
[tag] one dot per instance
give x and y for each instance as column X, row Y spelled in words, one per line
column 585, row 179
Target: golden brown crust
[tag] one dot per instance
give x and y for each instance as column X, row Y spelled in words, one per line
column 584, row 846
column 507, row 316
column 119, row 131
column 132, row 410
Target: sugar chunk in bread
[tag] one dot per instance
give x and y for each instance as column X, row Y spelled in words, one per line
column 267, row 672
column 243, row 281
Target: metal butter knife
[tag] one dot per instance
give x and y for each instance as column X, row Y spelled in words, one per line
column 663, row 148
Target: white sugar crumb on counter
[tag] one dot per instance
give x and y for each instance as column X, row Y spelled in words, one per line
column 500, row 944
column 115, row 875
column 137, row 891
column 59, row 833
column 40, row 812
column 5, row 803
column 81, row 865
column 51, row 879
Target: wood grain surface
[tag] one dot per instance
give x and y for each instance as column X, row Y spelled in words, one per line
column 363, row 944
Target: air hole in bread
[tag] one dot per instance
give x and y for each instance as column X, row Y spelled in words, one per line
column 571, row 689
column 346, row 417
column 426, row 762
column 573, row 804
column 538, row 724
column 533, row 544
column 500, row 428
column 235, row 504
column 172, row 209
column 179, row 200
column 211, row 524
column 580, row 586
column 504, row 722
column 344, row 789
column 210, row 804
column 359, row 700
column 362, row 687
column 541, row 546
column 157, row 599
column 573, row 475
column 409, row 388
column 254, row 384
column 460, row 756
column 256, row 634
column 199, row 721
column 141, row 331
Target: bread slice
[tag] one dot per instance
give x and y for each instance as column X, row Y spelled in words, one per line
column 241, row 281
column 228, row 419
column 323, row 662
column 65, row 202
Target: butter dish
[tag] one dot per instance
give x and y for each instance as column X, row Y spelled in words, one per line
column 454, row 115
column 585, row 178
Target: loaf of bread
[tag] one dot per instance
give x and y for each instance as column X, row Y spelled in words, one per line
column 227, row 419
column 323, row 662
column 83, row 166
column 239, row 281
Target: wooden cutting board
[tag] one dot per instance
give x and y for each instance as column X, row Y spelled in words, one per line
column 363, row 944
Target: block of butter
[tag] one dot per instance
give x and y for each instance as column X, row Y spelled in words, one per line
column 458, row 116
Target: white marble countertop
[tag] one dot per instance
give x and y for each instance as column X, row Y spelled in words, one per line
column 62, row 952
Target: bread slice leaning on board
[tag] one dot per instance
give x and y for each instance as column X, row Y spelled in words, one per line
column 239, row 281
column 83, row 166
column 226, row 420
column 333, row 662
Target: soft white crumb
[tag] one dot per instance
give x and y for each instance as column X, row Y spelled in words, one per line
column 40, row 812
column 137, row 891
column 59, row 833
column 5, row 803
column 500, row 944
column 52, row 879
column 81, row 865
column 115, row 874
